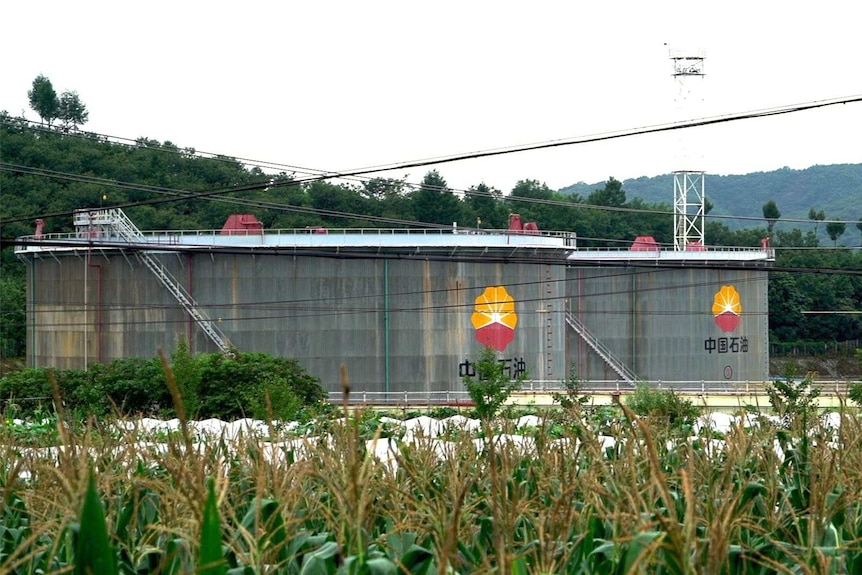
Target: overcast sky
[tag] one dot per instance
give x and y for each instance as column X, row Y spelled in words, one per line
column 341, row 85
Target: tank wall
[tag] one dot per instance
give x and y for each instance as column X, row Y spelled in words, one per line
column 119, row 314
column 397, row 325
column 661, row 324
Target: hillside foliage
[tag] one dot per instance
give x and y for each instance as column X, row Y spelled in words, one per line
column 833, row 190
column 211, row 385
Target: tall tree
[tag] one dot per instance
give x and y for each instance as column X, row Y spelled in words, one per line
column 487, row 209
column 771, row 214
column 534, row 200
column 835, row 230
column 816, row 217
column 43, row 99
column 72, row 112
column 859, row 226
column 434, row 202
column 382, row 189
column 612, row 194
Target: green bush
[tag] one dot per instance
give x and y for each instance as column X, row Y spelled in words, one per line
column 135, row 385
column 26, row 391
column 237, row 387
column 212, row 385
column 273, row 397
column 661, row 403
column 793, row 398
column 29, row 391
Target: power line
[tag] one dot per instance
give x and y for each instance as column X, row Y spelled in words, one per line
column 290, row 309
column 179, row 195
column 338, row 300
column 516, row 149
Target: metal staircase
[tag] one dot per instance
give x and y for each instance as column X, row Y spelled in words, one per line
column 115, row 223
column 601, row 349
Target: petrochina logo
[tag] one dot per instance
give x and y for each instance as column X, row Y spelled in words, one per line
column 494, row 318
column 726, row 308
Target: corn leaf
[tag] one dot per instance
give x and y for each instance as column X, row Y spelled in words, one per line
column 211, row 560
column 93, row 552
column 321, row 561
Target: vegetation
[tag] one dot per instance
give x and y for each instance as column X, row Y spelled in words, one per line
column 648, row 401
column 68, row 108
column 573, row 397
column 832, row 189
column 583, row 496
column 793, row 397
column 491, row 386
column 771, row 214
column 248, row 385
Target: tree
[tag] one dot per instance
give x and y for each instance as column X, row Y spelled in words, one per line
column 612, row 194
column 43, row 99
column 13, row 322
column 487, row 209
column 708, row 206
column 771, row 214
column 835, row 230
column 795, row 239
column 382, row 189
column 859, row 226
column 491, row 386
column 529, row 198
column 335, row 201
column 816, row 217
column 72, row 111
column 787, row 300
column 434, row 202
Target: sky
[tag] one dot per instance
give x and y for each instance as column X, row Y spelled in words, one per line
column 339, row 85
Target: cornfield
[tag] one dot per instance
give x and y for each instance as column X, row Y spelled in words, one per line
column 562, row 493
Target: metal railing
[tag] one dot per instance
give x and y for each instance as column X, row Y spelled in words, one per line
column 601, row 349
column 537, row 392
column 156, row 235
column 126, row 229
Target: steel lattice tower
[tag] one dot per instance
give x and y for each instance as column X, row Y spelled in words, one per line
column 689, row 196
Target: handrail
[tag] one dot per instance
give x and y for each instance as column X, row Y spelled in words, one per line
column 316, row 231
column 117, row 222
column 601, row 349
column 670, row 250
column 531, row 388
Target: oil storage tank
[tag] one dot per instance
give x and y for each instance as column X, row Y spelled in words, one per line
column 646, row 314
column 402, row 310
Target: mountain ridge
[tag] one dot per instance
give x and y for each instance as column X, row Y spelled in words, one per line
column 835, row 189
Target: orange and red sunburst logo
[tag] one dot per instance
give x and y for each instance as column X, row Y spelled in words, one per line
column 494, row 318
column 726, row 308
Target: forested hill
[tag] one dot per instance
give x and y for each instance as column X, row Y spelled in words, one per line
column 834, row 189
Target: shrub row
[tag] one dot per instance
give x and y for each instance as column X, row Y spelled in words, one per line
column 212, row 385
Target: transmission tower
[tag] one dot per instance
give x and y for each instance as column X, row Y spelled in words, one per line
column 689, row 195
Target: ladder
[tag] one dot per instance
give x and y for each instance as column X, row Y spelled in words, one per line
column 114, row 222
column 601, row 349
